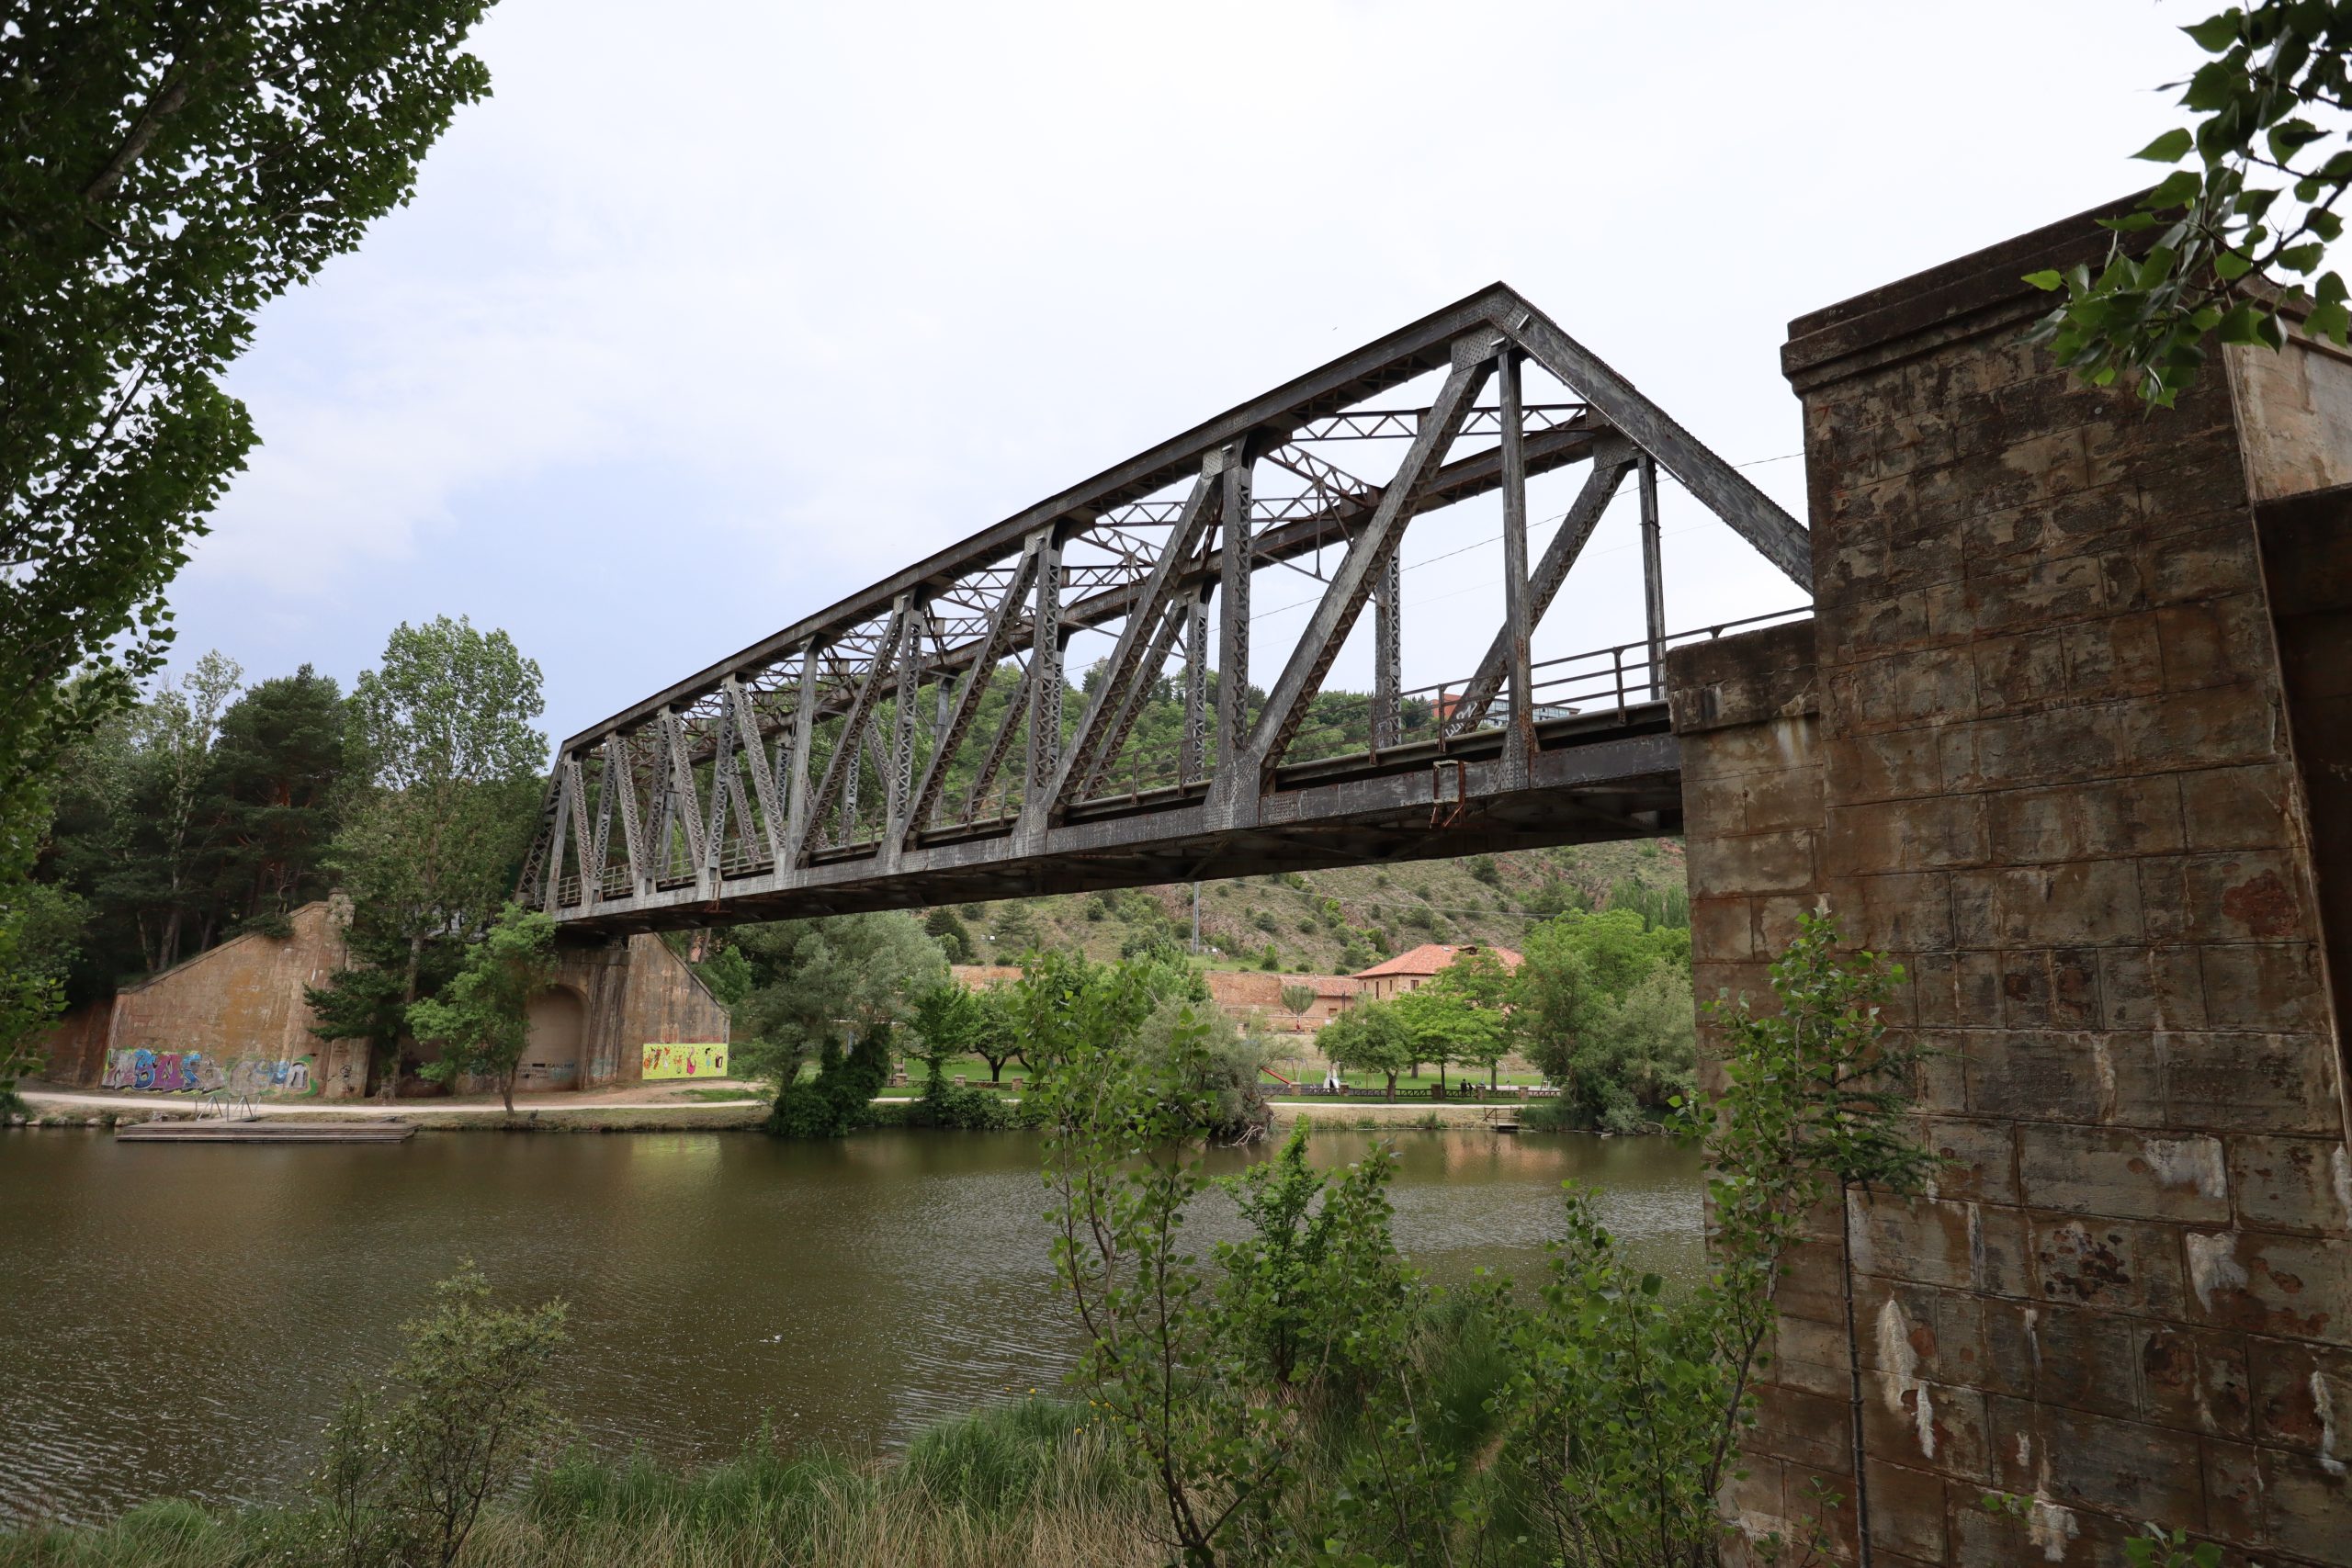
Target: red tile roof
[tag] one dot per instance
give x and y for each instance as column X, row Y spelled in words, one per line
column 1432, row 956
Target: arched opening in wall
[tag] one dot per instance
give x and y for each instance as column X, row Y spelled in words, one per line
column 559, row 1027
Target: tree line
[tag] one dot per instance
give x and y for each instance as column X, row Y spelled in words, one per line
column 208, row 808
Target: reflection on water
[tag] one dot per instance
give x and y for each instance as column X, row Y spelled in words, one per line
column 181, row 1319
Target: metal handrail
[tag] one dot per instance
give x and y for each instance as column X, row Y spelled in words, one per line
column 1561, row 686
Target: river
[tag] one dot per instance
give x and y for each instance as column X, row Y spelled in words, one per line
column 179, row 1320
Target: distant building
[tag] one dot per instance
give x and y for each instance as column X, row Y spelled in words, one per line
column 1411, row 971
column 1255, row 997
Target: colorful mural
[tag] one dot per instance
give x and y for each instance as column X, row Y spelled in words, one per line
column 685, row 1061
column 194, row 1072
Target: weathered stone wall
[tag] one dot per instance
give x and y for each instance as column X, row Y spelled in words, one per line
column 638, row 993
column 2057, row 781
column 232, row 1017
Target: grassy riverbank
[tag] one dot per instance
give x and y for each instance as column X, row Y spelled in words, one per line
column 1034, row 1483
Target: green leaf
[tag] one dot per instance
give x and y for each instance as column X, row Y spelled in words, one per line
column 2292, row 136
column 2045, row 279
column 2301, row 258
column 2176, row 189
column 2216, row 33
column 2231, row 265
column 2332, row 321
column 2330, row 289
column 2170, row 148
column 2327, row 225
column 2239, row 325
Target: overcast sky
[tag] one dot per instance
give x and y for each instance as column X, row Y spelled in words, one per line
column 708, row 319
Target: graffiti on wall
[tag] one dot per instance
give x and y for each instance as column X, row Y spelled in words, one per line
column 685, row 1061
column 174, row 1072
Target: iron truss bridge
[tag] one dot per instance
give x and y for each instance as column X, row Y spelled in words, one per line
column 910, row 746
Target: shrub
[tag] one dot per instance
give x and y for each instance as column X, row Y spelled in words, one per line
column 463, row 1414
column 839, row 1099
column 944, row 926
column 956, row 1109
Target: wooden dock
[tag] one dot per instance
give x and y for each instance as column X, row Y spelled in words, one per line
column 266, row 1130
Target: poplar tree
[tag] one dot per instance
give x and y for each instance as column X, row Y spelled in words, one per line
column 441, row 735
column 171, row 169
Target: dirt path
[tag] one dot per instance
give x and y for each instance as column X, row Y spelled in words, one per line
column 629, row 1097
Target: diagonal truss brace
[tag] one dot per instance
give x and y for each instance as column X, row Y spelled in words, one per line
column 1352, row 584
column 1609, row 471
column 992, row 646
column 1088, row 752
column 1725, row 491
column 846, row 753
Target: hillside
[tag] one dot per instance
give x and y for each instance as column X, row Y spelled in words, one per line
column 1336, row 921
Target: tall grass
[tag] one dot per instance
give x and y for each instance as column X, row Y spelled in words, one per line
column 1035, row 1483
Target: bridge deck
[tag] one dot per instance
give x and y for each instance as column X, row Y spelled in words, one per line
column 1592, row 780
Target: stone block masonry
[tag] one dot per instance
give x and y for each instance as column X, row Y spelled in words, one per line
column 2067, row 738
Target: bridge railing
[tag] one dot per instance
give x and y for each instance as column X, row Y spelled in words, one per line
column 1613, row 679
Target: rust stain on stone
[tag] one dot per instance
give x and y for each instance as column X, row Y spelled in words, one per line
column 2263, row 906
column 2083, row 1265
column 2168, row 1362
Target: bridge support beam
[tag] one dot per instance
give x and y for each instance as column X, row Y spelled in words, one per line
column 2039, row 745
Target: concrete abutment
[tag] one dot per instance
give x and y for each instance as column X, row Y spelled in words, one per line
column 2069, row 737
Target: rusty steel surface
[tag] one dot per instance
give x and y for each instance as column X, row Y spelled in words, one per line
column 813, row 772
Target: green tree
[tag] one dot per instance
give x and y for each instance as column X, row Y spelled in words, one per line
column 1215, row 1068
column 818, row 984
column 1447, row 1027
column 996, row 1037
column 442, row 735
column 2238, row 231
column 461, row 1419
column 945, row 1019
column 38, row 943
column 167, row 877
column 482, row 1021
column 270, row 805
column 1307, row 1400
column 1370, row 1037
column 945, row 926
column 1297, row 1000
column 727, row 973
column 172, row 170
column 1639, row 1057
column 1623, row 1420
column 1557, row 1003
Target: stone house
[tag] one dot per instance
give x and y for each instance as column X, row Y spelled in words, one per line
column 1412, row 970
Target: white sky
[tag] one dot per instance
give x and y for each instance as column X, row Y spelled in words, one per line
column 695, row 328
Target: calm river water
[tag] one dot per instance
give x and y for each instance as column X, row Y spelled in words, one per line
column 179, row 1320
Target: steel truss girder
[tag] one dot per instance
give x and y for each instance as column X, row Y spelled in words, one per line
column 1108, row 551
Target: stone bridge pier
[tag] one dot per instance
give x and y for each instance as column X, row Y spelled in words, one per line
column 2070, row 736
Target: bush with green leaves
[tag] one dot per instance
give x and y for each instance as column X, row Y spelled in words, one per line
column 462, row 1417
column 1290, row 1401
column 482, row 1021
column 2239, row 230
column 839, row 1099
